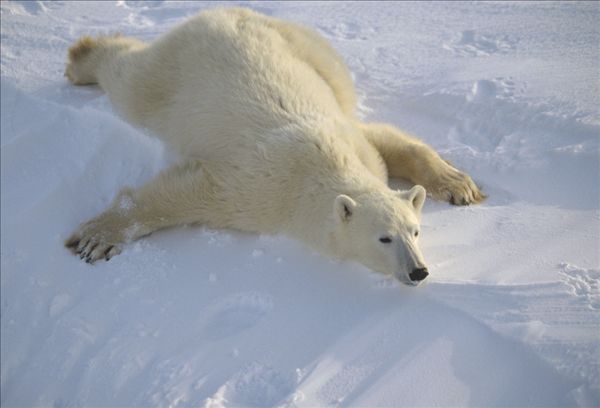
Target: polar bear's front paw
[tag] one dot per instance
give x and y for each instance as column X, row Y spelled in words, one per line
column 95, row 240
column 455, row 187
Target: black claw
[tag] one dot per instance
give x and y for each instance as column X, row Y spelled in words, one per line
column 106, row 256
column 85, row 244
column 454, row 201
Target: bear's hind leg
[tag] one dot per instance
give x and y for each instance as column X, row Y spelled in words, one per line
column 90, row 54
column 411, row 159
column 177, row 196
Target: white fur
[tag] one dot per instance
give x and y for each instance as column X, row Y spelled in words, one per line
column 262, row 112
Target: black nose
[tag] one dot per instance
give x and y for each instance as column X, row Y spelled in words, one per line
column 418, row 274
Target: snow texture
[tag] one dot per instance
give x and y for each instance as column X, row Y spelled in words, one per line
column 510, row 315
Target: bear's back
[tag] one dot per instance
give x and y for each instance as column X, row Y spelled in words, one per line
column 234, row 79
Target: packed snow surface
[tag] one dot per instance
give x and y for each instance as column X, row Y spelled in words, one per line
column 510, row 315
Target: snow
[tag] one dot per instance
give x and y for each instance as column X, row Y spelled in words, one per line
column 510, row 315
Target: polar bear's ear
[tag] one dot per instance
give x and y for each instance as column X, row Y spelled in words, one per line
column 343, row 207
column 415, row 196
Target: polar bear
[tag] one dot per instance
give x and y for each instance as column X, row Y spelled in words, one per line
column 262, row 113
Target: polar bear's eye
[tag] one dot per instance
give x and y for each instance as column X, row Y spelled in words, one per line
column 416, row 234
column 385, row 240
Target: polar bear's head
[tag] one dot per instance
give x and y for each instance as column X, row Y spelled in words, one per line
column 381, row 231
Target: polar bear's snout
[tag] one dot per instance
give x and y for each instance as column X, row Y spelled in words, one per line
column 418, row 274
